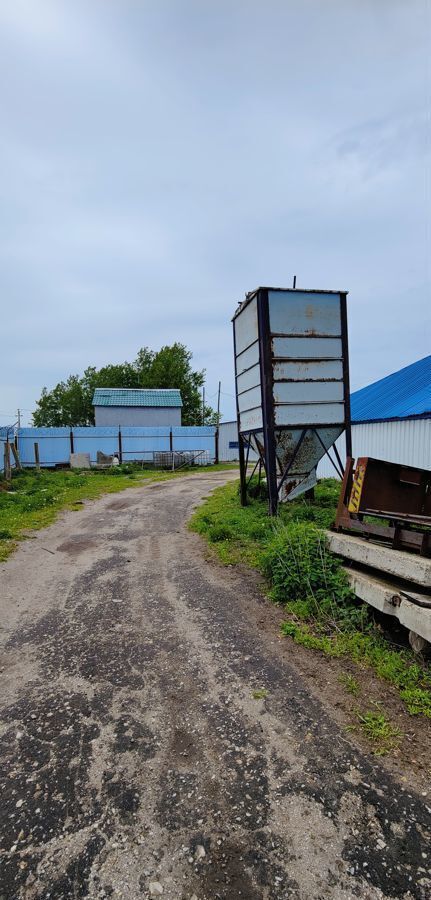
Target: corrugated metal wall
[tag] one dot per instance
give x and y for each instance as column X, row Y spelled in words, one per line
column 228, row 443
column 55, row 444
column 407, row 442
column 137, row 417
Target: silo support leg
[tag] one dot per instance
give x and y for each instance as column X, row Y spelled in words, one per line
column 242, row 472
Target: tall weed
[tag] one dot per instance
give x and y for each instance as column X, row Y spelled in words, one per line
column 308, row 578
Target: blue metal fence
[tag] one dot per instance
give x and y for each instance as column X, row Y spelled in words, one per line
column 129, row 443
column 54, row 445
column 90, row 440
column 140, row 443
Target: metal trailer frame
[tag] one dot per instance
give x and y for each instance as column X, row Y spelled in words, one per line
column 407, row 529
column 268, row 456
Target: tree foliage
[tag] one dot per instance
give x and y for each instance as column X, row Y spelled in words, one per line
column 70, row 401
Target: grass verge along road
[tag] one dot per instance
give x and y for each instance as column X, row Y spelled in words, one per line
column 321, row 611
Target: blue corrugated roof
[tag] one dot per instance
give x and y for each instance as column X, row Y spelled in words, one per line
column 402, row 395
column 133, row 397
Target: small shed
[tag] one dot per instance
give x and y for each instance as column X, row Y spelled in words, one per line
column 140, row 407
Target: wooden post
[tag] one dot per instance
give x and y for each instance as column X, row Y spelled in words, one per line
column 36, row 456
column 7, row 469
column 120, row 445
column 16, row 456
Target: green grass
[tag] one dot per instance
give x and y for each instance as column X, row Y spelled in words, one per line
column 377, row 728
column 322, row 613
column 260, row 694
column 349, row 683
column 34, row 499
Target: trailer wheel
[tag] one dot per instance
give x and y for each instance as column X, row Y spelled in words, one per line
column 418, row 643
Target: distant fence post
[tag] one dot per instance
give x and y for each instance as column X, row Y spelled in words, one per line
column 72, row 446
column 7, row 469
column 120, row 445
column 16, row 456
column 36, row 455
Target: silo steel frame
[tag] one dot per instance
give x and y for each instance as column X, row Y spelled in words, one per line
column 268, row 457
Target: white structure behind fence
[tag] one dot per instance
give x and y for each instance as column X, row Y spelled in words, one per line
column 407, row 441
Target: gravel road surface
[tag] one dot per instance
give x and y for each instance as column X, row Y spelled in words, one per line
column 135, row 761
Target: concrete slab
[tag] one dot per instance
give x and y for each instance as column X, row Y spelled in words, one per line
column 389, row 599
column 375, row 591
column 104, row 459
column 80, row 461
column 398, row 563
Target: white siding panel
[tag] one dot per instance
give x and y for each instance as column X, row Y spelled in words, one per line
column 246, row 330
column 307, row 348
column 248, row 379
column 310, row 414
column 228, row 435
column 137, row 415
column 251, row 419
column 248, row 358
column 407, row 442
column 314, row 370
column 250, row 399
column 308, row 314
column 310, row 392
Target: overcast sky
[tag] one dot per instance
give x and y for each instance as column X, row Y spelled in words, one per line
column 159, row 158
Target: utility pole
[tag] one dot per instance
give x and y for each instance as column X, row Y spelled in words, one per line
column 203, row 406
column 19, row 418
column 218, row 404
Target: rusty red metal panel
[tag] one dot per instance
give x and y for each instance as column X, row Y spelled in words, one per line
column 397, row 495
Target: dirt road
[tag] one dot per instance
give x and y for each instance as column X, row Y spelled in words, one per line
column 135, row 761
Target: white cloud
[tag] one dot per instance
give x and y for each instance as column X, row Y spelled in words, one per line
column 157, row 160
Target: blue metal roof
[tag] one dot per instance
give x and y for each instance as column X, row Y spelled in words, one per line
column 402, row 395
column 135, row 397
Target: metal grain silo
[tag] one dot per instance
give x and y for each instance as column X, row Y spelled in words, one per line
column 292, row 385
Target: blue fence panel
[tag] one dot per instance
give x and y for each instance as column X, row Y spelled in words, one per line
column 87, row 439
column 140, row 442
column 199, row 438
column 54, row 445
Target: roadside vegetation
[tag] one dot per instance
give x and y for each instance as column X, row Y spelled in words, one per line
column 379, row 731
column 310, row 583
column 33, row 499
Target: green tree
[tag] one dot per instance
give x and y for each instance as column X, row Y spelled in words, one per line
column 64, row 405
column 70, row 401
column 171, row 367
